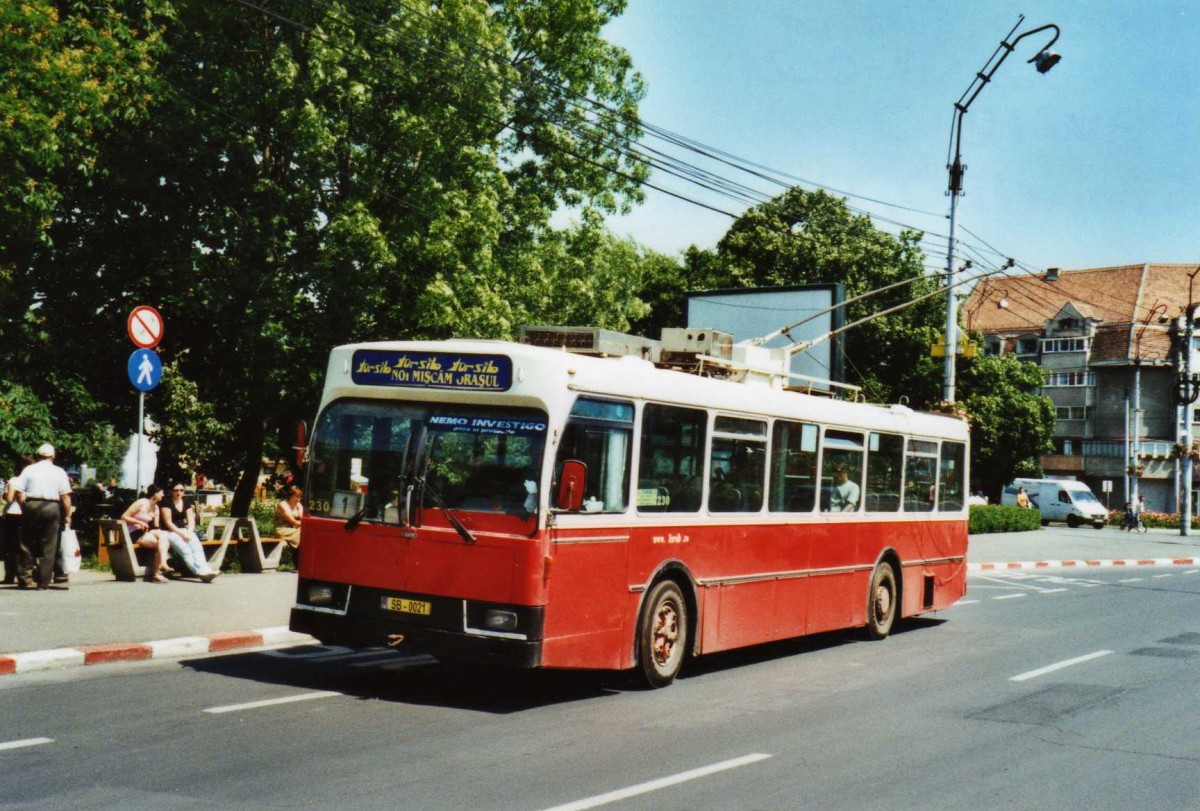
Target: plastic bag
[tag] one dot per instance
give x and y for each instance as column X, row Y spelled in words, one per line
column 68, row 551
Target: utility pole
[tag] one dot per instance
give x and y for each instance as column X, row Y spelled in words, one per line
column 1188, row 392
column 1189, row 389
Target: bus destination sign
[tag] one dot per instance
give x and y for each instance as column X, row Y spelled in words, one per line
column 432, row 370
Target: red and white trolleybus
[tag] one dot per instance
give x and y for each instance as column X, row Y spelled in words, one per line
column 507, row 503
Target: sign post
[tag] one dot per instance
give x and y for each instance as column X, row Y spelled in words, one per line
column 145, row 328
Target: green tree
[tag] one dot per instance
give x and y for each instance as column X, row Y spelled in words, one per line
column 1011, row 423
column 72, row 73
column 321, row 173
column 806, row 237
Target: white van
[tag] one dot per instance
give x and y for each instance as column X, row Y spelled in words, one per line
column 1059, row 500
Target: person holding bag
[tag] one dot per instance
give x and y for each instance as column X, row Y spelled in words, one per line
column 44, row 493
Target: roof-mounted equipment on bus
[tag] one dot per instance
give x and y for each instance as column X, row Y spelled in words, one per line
column 701, row 350
column 592, row 341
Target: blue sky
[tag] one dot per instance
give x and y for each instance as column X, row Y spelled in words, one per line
column 1092, row 164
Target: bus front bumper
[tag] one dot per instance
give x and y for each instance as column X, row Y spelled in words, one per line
column 448, row 628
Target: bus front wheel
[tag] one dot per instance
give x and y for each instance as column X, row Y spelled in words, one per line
column 662, row 634
column 882, row 602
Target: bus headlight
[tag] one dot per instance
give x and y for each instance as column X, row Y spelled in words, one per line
column 497, row 620
column 320, row 595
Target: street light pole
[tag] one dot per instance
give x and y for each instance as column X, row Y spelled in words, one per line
column 1188, row 391
column 1044, row 60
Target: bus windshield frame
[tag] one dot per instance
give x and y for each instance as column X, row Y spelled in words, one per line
column 388, row 461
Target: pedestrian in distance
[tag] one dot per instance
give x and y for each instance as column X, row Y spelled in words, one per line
column 1023, row 499
column 289, row 514
column 177, row 516
column 141, row 519
column 44, row 493
column 10, row 531
column 1141, row 511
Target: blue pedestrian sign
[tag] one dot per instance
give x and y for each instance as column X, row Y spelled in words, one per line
column 145, row 369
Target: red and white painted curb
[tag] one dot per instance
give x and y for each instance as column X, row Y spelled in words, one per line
column 177, row 648
column 1079, row 564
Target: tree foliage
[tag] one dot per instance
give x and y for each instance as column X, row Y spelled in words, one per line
column 806, row 237
column 316, row 173
column 71, row 74
column 1011, row 423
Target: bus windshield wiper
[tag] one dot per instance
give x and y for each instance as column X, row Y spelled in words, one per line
column 425, row 487
column 355, row 520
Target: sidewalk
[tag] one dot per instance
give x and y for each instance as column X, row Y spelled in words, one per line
column 50, row 629
column 1058, row 546
column 100, row 619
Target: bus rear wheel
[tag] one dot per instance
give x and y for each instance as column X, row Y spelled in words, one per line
column 662, row 634
column 882, row 603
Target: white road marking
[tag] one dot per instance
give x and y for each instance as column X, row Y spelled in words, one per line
column 1132, row 580
column 26, row 742
column 966, row 602
column 1054, row 591
column 1009, row 596
column 270, row 702
column 655, row 785
column 1005, row 584
column 1160, row 576
column 1190, row 571
column 1042, row 671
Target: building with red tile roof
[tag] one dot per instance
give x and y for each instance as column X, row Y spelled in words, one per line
column 1110, row 341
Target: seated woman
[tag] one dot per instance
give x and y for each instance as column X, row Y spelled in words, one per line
column 288, row 516
column 141, row 519
column 177, row 516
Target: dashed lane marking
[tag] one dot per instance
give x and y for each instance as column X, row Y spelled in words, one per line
column 21, row 744
column 661, row 783
column 271, row 702
column 1042, row 671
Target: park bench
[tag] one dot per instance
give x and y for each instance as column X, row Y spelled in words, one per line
column 128, row 562
column 220, row 532
column 257, row 554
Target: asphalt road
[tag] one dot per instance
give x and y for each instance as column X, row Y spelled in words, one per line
column 1039, row 690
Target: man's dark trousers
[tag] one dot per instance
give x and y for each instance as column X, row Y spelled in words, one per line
column 39, row 536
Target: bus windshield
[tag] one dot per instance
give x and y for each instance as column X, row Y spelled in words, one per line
column 382, row 459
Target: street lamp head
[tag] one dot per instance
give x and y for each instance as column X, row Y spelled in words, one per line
column 1046, row 60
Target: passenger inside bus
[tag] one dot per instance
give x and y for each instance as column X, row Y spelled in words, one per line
column 843, row 492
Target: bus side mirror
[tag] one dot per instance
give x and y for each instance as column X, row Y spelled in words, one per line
column 571, row 482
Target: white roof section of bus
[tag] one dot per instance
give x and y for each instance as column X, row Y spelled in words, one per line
column 549, row 377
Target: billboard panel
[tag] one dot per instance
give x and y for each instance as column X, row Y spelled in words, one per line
column 754, row 312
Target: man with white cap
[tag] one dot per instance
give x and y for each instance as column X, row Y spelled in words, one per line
column 44, row 492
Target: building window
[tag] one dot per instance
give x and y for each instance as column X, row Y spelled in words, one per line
column 1071, row 379
column 1074, row 413
column 1027, row 346
column 1064, row 345
column 1068, row 323
column 993, row 346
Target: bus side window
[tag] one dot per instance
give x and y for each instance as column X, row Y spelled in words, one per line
column 671, row 466
column 599, row 433
column 885, row 467
column 950, row 484
column 793, row 486
column 841, row 471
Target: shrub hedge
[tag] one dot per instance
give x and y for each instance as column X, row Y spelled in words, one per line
column 998, row 518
